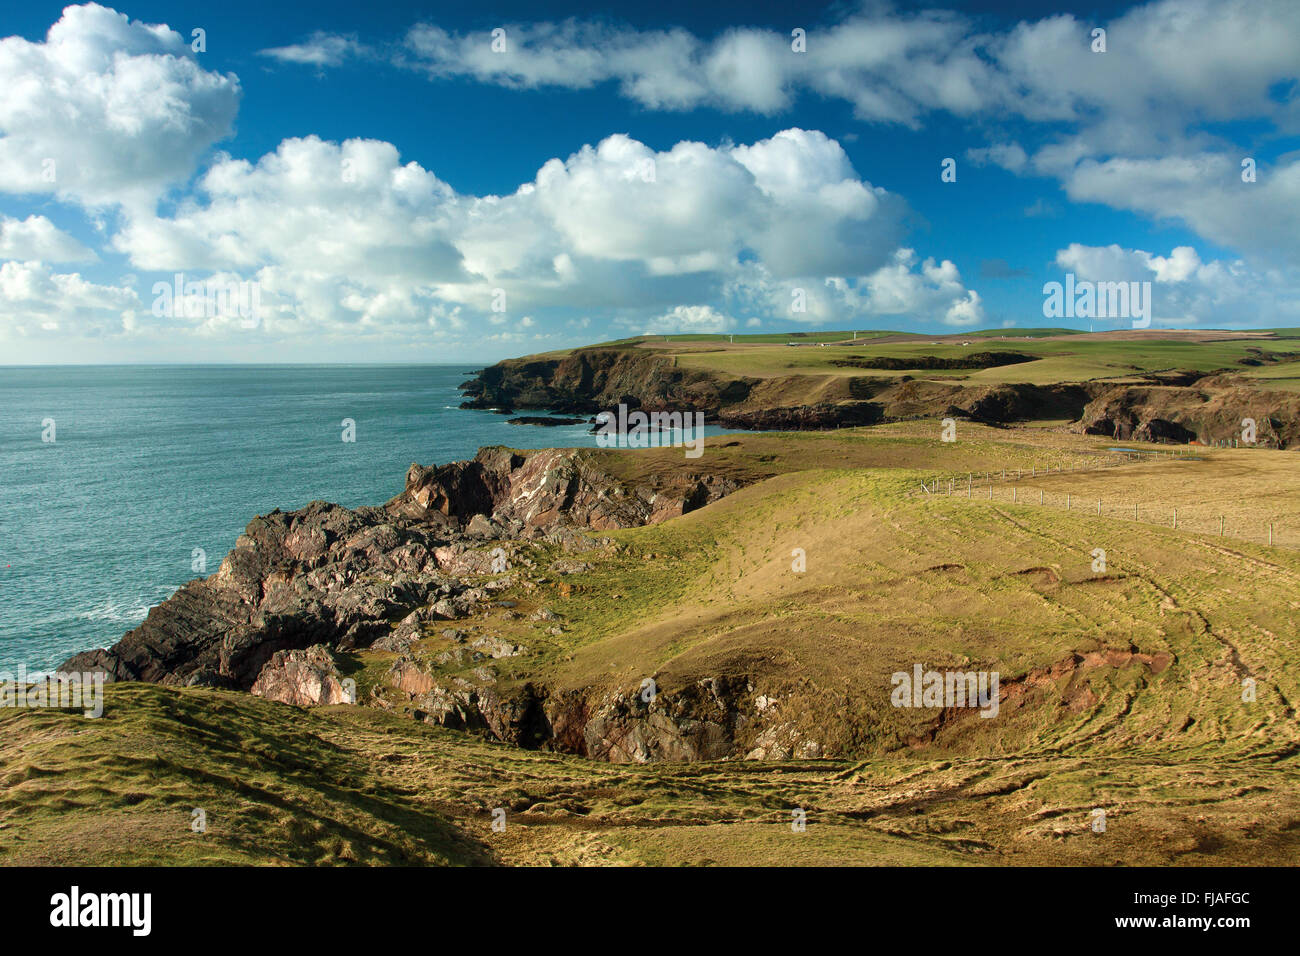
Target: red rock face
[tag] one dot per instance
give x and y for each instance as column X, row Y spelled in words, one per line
column 544, row 490
column 303, row 678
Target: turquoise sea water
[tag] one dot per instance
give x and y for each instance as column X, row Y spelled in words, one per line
column 150, row 463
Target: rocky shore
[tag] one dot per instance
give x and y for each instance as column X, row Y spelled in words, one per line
column 303, row 589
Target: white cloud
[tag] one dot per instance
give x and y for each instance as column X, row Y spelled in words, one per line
column 106, row 110
column 320, row 49
column 347, row 236
column 36, row 238
column 1187, row 291
column 1110, row 120
column 1167, row 62
column 890, row 67
column 1205, row 191
column 690, row 318
column 34, row 300
column 905, row 289
column 1010, row 156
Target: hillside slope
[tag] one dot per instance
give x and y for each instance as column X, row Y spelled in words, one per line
column 1121, row 688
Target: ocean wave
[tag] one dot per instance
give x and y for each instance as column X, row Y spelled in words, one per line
column 125, row 612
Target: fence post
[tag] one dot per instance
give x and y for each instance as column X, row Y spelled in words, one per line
column 1270, row 534
column 1067, row 501
column 1220, row 526
column 1040, row 496
column 1098, row 507
column 1013, row 494
column 1135, row 512
column 1175, row 519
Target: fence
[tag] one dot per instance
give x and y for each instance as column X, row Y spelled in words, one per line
column 1000, row 486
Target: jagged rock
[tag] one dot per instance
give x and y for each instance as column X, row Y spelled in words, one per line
column 1210, row 411
column 444, row 610
column 567, row 566
column 460, row 656
column 409, row 677
column 481, row 526
column 497, row 647
column 399, row 642
column 303, row 678
column 327, row 575
column 590, row 380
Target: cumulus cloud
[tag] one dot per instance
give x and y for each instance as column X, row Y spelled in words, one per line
column 36, row 238
column 690, row 318
column 1187, row 291
column 36, row 300
column 1104, row 123
column 904, row 288
column 348, row 236
column 106, row 110
column 1207, row 192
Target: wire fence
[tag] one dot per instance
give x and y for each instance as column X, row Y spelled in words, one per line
column 1003, row 486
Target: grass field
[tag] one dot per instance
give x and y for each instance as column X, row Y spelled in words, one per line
column 1058, row 355
column 1122, row 687
column 1067, row 358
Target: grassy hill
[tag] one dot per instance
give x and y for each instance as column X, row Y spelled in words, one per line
column 1123, row 688
column 1057, row 356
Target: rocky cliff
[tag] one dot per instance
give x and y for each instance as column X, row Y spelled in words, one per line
column 597, row 379
column 590, row 380
column 1161, row 407
column 339, row 578
column 1210, row 410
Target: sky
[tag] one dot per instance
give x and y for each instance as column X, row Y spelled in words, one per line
column 343, row 182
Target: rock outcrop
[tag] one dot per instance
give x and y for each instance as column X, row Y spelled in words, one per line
column 526, row 494
column 1211, row 411
column 346, row 579
column 708, row 720
column 304, row 678
column 592, row 379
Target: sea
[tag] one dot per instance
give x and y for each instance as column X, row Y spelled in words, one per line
column 118, row 484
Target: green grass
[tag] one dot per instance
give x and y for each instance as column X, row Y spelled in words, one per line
column 1066, row 359
column 1187, row 772
column 278, row 785
column 1061, row 355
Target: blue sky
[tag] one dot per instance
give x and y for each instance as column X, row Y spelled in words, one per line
column 384, row 185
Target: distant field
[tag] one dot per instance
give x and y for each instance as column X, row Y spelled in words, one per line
column 1070, row 358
